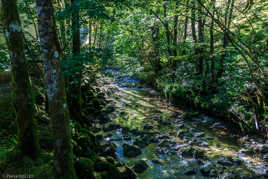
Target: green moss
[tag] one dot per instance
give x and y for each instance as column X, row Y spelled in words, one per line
column 14, row 163
column 5, row 77
column 107, row 169
column 85, row 144
column 85, row 168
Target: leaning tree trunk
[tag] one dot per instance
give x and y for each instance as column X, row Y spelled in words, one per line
column 51, row 54
column 23, row 99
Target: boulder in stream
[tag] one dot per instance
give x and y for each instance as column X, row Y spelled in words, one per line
column 126, row 173
column 140, row 166
column 264, row 149
column 131, row 150
column 206, row 169
column 189, row 171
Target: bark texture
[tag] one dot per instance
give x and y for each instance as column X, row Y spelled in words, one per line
column 22, row 90
column 51, row 55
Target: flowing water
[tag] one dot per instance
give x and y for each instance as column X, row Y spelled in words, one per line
column 176, row 143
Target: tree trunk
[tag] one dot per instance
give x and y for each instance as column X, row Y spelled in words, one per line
column 193, row 21
column 51, row 54
column 89, row 32
column 100, row 39
column 175, row 33
column 211, row 34
column 227, row 23
column 62, row 26
column 95, row 33
column 186, row 21
column 168, row 33
column 200, row 39
column 74, row 81
column 156, row 45
column 22, row 89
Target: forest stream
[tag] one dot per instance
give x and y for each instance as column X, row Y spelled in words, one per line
column 162, row 141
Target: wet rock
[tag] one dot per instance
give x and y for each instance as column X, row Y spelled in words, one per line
column 166, row 143
column 180, row 126
column 131, row 150
column 264, row 149
column 207, row 119
column 244, row 139
column 179, row 146
column 218, row 125
column 202, row 144
column 206, row 169
column 265, row 157
column 140, row 142
column 245, row 152
column 184, row 133
column 186, row 139
column 156, row 118
column 126, row 173
column 192, row 130
column 199, row 134
column 140, row 166
column 192, row 152
column 210, row 138
column 153, row 92
column 225, row 163
column 158, row 161
column 148, row 127
column 189, row 171
column 163, row 137
column 196, row 119
column 213, row 173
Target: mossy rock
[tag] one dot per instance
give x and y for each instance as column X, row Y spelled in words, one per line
column 192, row 152
column 5, row 77
column 7, row 112
column 127, row 173
column 107, row 169
column 13, row 163
column 85, row 144
column 107, row 149
column 190, row 115
column 131, row 150
column 84, row 168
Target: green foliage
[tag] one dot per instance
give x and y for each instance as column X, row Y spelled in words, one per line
column 4, row 63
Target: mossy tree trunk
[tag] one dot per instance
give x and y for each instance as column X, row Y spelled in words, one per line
column 51, row 55
column 22, row 90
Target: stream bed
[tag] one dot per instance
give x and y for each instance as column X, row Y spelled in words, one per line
column 161, row 141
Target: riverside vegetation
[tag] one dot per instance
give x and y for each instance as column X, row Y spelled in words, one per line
column 128, row 89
